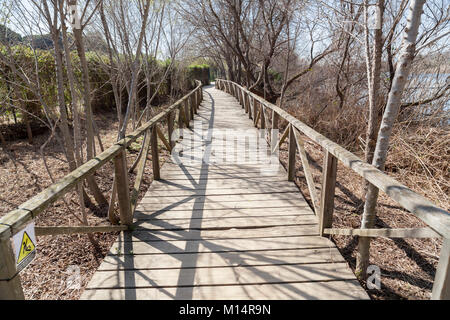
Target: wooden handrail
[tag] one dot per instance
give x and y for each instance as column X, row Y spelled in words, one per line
column 436, row 218
column 16, row 219
column 50, row 231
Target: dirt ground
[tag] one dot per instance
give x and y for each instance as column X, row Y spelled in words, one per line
column 58, row 259
column 407, row 265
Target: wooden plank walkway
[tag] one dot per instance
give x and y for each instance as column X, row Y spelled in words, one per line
column 223, row 231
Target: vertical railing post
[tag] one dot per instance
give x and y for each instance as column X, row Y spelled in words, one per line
column 180, row 120
column 244, row 99
column 187, row 116
column 123, row 190
column 197, row 99
column 257, row 113
column 155, row 154
column 180, row 116
column 255, row 110
column 198, row 104
column 441, row 285
column 192, row 103
column 263, row 117
column 292, row 153
column 249, row 107
column 328, row 189
column 170, row 122
column 274, row 131
column 241, row 98
column 10, row 286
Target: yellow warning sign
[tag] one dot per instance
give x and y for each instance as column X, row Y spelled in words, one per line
column 24, row 244
column 26, row 248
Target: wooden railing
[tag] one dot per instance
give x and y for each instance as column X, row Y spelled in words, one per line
column 436, row 218
column 16, row 220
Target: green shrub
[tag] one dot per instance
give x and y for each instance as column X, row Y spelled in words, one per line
column 200, row 72
column 179, row 80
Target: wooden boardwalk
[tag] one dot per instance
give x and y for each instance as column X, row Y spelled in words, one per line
column 223, row 231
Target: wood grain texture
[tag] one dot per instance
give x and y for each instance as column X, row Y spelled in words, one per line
column 441, row 285
column 333, row 290
column 234, row 227
column 155, row 154
column 437, row 218
column 50, row 231
column 123, row 190
column 388, row 233
column 15, row 220
column 328, row 190
column 307, row 171
column 10, row 287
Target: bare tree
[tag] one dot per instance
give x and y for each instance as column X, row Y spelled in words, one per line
column 77, row 29
column 387, row 124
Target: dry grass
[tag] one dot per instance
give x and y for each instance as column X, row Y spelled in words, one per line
column 408, row 266
column 419, row 158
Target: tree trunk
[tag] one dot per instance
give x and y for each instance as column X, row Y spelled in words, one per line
column 63, row 124
column 373, row 79
column 387, row 124
column 135, row 71
column 78, row 35
column 83, row 196
column 112, row 69
column 374, row 88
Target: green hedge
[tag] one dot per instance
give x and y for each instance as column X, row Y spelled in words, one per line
column 25, row 58
column 178, row 82
column 200, row 72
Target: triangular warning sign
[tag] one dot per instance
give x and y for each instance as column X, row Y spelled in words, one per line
column 26, row 247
